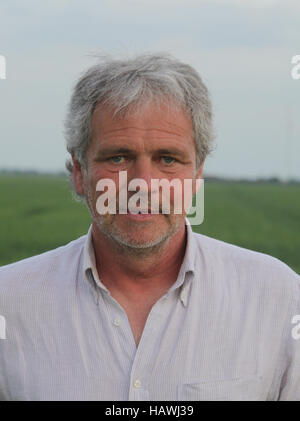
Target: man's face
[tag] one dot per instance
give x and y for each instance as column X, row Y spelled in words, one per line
column 155, row 143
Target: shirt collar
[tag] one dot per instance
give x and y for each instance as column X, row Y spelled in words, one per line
column 90, row 272
column 184, row 278
column 187, row 270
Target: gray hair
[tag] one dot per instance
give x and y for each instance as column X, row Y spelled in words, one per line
column 127, row 83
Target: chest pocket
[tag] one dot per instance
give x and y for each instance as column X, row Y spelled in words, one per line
column 242, row 389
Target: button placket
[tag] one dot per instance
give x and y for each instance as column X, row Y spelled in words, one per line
column 120, row 330
column 143, row 361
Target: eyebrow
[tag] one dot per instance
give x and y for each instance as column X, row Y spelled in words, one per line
column 171, row 151
column 110, row 151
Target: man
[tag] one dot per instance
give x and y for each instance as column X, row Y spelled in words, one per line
column 142, row 308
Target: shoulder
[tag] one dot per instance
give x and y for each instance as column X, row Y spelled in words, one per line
column 42, row 266
column 247, row 267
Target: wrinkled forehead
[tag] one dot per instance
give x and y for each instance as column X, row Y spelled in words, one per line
column 148, row 113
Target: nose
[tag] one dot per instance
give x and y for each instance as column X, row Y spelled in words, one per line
column 144, row 169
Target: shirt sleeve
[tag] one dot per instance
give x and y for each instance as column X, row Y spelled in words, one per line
column 290, row 373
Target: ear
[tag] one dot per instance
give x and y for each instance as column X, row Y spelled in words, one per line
column 77, row 176
column 200, row 171
column 199, row 174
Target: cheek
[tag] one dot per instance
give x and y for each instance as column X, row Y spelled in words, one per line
column 97, row 189
column 93, row 175
column 89, row 185
column 183, row 195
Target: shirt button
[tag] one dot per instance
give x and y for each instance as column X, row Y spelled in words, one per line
column 116, row 322
column 137, row 384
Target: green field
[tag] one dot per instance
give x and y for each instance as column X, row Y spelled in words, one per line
column 38, row 213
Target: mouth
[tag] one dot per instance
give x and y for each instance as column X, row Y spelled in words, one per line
column 139, row 212
column 145, row 211
column 140, row 215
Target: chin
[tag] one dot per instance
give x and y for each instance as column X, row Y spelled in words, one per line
column 140, row 242
column 138, row 235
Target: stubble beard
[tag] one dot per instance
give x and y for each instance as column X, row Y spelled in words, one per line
column 125, row 244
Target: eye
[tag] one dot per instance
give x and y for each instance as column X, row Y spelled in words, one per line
column 168, row 160
column 117, row 159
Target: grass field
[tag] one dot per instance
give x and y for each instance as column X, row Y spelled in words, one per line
column 37, row 213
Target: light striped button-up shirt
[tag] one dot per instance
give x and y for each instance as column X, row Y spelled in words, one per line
column 222, row 332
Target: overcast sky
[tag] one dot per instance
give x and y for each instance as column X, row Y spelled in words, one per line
column 242, row 50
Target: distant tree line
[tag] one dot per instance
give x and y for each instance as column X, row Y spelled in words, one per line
column 208, row 178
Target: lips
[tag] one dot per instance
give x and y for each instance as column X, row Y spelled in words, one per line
column 137, row 211
column 140, row 212
column 144, row 211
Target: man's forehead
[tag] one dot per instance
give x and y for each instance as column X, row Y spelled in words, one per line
column 152, row 129
column 169, row 118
